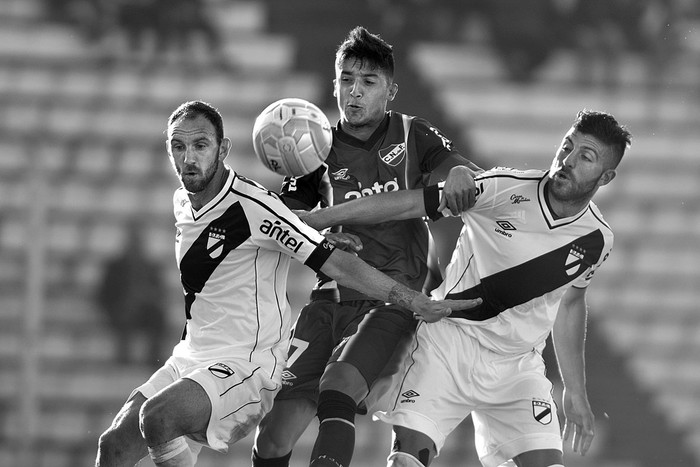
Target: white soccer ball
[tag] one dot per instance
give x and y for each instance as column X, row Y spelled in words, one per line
column 292, row 137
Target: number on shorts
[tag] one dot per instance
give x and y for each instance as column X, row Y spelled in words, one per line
column 296, row 348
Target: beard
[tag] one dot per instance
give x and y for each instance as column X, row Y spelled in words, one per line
column 194, row 180
column 568, row 190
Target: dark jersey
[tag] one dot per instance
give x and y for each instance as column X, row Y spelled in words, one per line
column 399, row 155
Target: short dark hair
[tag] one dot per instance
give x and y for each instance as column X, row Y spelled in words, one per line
column 193, row 109
column 368, row 48
column 604, row 127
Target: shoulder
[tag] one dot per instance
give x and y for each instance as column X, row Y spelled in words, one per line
column 509, row 172
column 598, row 216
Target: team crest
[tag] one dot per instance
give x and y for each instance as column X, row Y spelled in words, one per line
column 393, row 155
column 542, row 411
column 215, row 242
column 574, row 260
column 221, row 370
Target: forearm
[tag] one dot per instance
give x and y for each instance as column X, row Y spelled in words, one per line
column 569, row 336
column 350, row 271
column 393, row 206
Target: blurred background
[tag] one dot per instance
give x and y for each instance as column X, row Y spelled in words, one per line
column 86, row 87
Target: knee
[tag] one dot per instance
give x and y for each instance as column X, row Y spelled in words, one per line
column 271, row 443
column 345, row 378
column 151, row 422
column 403, row 459
column 411, row 445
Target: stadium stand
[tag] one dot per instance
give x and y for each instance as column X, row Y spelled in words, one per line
column 90, row 131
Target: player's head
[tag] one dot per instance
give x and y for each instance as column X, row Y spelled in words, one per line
column 196, row 144
column 605, row 128
column 369, row 49
column 192, row 109
column 587, row 158
column 364, row 78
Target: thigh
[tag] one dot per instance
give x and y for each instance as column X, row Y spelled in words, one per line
column 539, row 458
column 238, row 395
column 429, row 396
column 414, row 443
column 282, row 427
column 320, row 327
column 518, row 413
column 182, row 408
column 379, row 343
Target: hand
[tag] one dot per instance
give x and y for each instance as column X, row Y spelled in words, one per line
column 579, row 421
column 435, row 310
column 344, row 241
column 459, row 192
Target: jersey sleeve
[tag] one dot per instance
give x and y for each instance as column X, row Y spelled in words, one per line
column 305, row 192
column 584, row 280
column 275, row 227
column 433, row 146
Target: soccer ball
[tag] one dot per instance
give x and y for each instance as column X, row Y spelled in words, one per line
column 292, row 137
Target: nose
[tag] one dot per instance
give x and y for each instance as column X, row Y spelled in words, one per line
column 569, row 160
column 356, row 89
column 188, row 154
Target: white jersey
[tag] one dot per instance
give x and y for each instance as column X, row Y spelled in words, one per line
column 515, row 254
column 234, row 256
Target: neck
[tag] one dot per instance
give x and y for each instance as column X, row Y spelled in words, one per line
column 564, row 208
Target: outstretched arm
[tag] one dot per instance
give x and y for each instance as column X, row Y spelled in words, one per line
column 569, row 335
column 350, row 271
column 382, row 207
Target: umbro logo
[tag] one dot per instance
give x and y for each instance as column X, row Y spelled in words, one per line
column 504, row 228
column 408, row 396
column 341, row 174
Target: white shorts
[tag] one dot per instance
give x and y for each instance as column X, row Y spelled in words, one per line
column 449, row 375
column 239, row 392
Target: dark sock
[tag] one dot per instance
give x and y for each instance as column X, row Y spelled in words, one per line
column 272, row 462
column 336, row 433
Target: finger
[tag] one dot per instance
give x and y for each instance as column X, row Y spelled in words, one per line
column 456, row 205
column 567, row 431
column 464, row 304
column 443, row 204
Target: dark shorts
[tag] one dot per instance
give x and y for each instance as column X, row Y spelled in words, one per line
column 366, row 334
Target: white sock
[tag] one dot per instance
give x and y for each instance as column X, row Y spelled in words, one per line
column 173, row 453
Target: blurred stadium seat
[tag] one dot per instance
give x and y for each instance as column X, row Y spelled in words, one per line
column 94, row 129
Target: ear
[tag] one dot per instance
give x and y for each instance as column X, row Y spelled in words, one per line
column 393, row 89
column 224, row 148
column 607, row 177
column 335, row 83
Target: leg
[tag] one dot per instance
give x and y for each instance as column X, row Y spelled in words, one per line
column 382, row 335
column 320, row 326
column 411, row 448
column 122, row 444
column 540, row 458
column 183, row 408
column 280, row 430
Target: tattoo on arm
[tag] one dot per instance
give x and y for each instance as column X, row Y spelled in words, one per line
column 402, row 296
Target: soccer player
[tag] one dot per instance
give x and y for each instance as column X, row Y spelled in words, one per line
column 339, row 347
column 234, row 242
column 529, row 247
